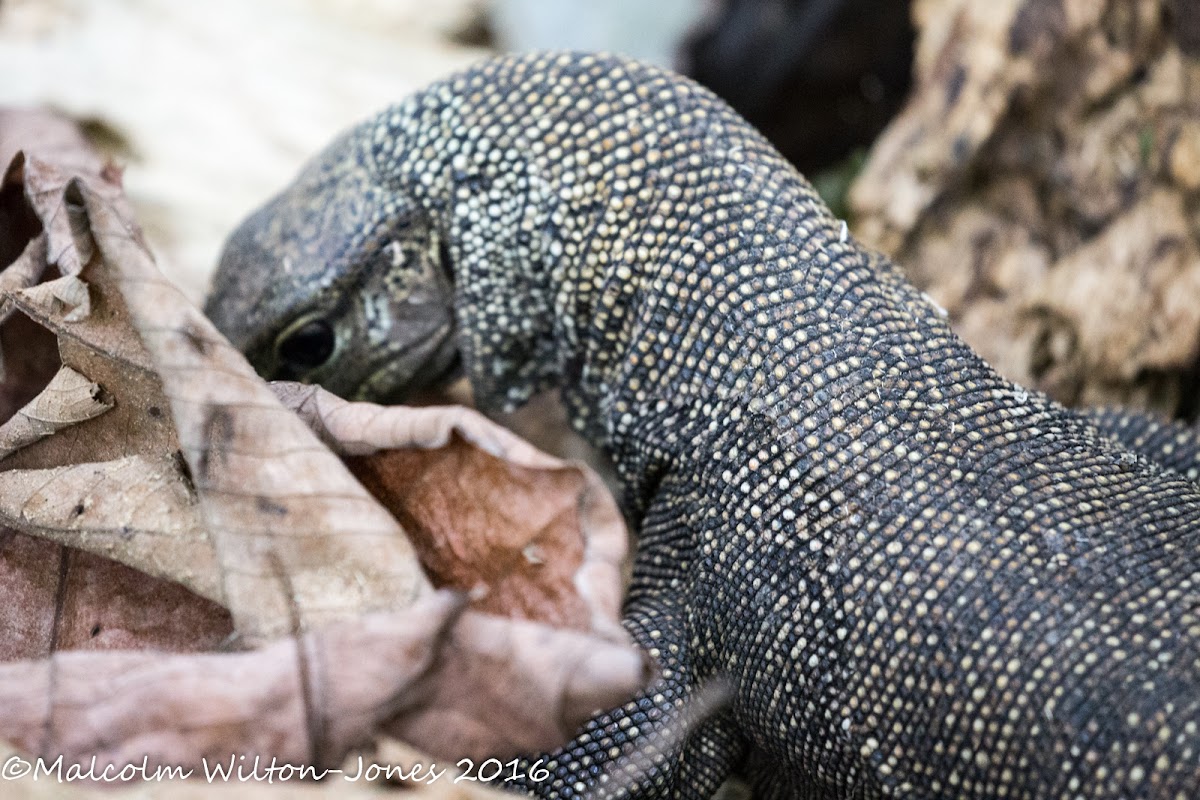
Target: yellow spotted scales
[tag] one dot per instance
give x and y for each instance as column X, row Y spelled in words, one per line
column 918, row 579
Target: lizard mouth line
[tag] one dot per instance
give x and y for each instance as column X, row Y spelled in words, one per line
column 437, row 359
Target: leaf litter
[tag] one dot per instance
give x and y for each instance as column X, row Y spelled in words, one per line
column 194, row 571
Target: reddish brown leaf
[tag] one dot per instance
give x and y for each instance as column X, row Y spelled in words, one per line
column 530, row 537
column 526, row 534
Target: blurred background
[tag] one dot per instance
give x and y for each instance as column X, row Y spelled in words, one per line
column 1033, row 164
column 213, row 106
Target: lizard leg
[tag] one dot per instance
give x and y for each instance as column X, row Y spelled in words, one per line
column 711, row 754
column 633, row 751
column 658, row 745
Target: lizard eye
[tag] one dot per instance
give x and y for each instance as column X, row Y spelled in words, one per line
column 308, row 346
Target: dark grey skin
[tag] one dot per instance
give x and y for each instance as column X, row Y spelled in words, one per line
column 369, row 316
column 1173, row 446
column 917, row 578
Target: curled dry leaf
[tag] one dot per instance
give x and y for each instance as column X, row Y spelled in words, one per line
column 101, row 346
column 299, row 542
column 24, row 272
column 57, row 139
column 68, row 399
column 527, row 536
column 50, row 155
column 70, row 487
column 268, row 523
column 538, row 539
column 102, row 409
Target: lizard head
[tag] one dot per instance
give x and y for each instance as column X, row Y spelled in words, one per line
column 421, row 241
column 340, row 282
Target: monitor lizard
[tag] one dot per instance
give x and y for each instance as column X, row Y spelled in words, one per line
column 918, row 578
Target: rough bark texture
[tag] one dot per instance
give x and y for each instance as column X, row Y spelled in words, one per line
column 1043, row 185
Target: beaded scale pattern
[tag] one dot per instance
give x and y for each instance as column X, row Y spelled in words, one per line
column 919, row 579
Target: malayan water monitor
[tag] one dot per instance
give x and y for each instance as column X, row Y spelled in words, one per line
column 919, row 579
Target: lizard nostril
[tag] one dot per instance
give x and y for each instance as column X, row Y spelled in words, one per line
column 308, row 346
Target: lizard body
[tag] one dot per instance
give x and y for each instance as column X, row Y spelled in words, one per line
column 919, row 579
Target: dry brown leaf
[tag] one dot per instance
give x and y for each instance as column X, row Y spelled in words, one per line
column 61, row 216
column 28, row 601
column 491, row 687
column 528, row 535
column 60, row 151
column 510, row 686
column 61, row 486
column 25, row 271
column 70, row 599
column 299, row 542
column 68, row 399
column 135, row 510
column 306, row 703
column 56, row 598
column 543, row 421
column 333, row 553
column 101, row 346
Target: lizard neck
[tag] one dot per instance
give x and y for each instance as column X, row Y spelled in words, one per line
column 583, row 227
column 577, row 230
column 494, row 214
